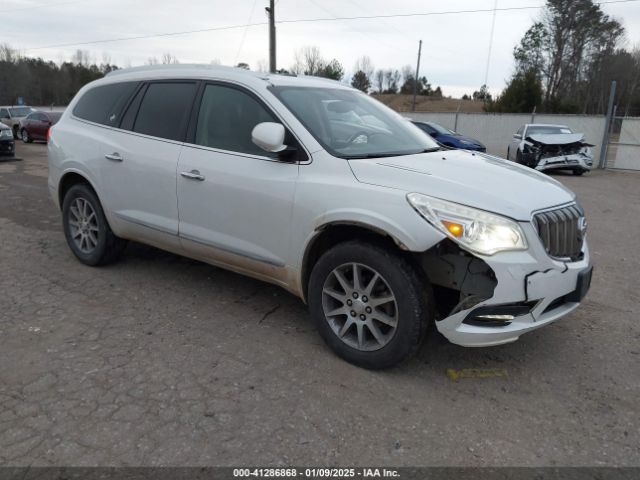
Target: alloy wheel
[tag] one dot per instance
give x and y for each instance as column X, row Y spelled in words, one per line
column 83, row 223
column 360, row 307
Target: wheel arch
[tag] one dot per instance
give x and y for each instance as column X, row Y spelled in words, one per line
column 71, row 178
column 333, row 233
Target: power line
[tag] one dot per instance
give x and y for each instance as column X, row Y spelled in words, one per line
column 305, row 20
column 152, row 35
column 427, row 14
column 244, row 34
column 493, row 27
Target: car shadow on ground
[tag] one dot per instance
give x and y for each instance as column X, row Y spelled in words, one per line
column 261, row 301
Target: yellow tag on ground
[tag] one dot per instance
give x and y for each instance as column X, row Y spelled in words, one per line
column 455, row 375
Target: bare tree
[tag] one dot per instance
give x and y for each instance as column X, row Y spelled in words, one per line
column 380, row 80
column 262, row 66
column 407, row 73
column 308, row 60
column 169, row 59
column 81, row 57
column 8, row 53
column 152, row 61
column 365, row 65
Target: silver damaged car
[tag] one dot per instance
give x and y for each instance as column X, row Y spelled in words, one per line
column 315, row 186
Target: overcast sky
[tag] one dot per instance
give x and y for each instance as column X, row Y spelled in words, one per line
column 454, row 55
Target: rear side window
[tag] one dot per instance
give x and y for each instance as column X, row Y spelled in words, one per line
column 164, row 110
column 227, row 117
column 104, row 104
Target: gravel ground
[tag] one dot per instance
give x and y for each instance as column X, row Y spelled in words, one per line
column 160, row 360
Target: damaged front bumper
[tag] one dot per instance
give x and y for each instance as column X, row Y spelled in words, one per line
column 578, row 161
column 532, row 290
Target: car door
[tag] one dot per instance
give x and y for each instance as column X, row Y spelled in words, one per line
column 36, row 126
column 138, row 169
column 235, row 200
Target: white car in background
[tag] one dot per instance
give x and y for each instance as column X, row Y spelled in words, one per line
column 550, row 147
column 315, row 186
column 11, row 117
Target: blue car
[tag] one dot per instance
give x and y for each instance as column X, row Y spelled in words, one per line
column 449, row 138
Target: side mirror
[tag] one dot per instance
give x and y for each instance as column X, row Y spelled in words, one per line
column 269, row 136
column 517, row 136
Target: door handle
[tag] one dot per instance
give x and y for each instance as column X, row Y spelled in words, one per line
column 114, row 157
column 193, row 175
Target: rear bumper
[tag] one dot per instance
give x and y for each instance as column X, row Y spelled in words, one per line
column 537, row 289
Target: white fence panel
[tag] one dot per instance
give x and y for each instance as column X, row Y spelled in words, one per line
column 627, row 149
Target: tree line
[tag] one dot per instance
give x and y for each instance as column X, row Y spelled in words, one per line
column 42, row 82
column 566, row 61
column 309, row 61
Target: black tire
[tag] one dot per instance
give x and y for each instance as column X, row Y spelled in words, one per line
column 578, row 172
column 508, row 152
column 24, row 135
column 108, row 247
column 518, row 157
column 16, row 131
column 413, row 301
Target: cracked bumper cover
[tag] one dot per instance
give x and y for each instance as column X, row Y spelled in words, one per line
column 574, row 161
column 527, row 276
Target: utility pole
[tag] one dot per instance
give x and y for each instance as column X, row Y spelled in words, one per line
column 415, row 80
column 271, row 11
column 607, row 125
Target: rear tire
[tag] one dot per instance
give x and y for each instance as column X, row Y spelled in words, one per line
column 377, row 321
column 24, row 135
column 578, row 173
column 86, row 228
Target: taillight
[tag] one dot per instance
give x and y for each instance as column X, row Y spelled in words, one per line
column 48, row 134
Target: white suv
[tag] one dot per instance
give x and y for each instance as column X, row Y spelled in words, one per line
column 316, row 187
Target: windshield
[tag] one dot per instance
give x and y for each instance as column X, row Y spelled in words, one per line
column 350, row 124
column 440, row 129
column 547, row 130
column 20, row 111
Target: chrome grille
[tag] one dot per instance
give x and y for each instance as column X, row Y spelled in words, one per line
column 562, row 231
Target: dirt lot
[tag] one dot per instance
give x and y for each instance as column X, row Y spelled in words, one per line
column 159, row 360
column 403, row 103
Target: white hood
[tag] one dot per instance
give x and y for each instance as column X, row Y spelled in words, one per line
column 557, row 139
column 472, row 179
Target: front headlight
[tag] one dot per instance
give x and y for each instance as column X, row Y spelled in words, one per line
column 6, row 133
column 475, row 230
column 466, row 142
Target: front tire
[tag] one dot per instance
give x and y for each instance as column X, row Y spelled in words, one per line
column 370, row 305
column 578, row 172
column 86, row 228
column 25, row 136
column 518, row 157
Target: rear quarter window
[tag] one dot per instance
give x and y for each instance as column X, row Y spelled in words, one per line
column 164, row 109
column 104, row 104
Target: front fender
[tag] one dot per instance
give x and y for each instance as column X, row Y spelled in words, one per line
column 417, row 237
